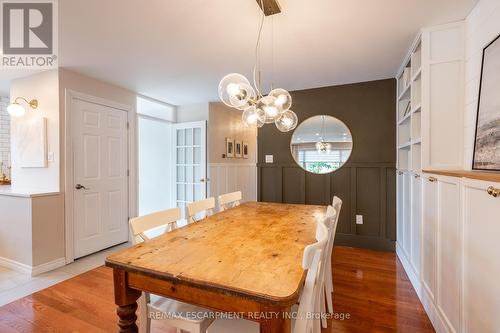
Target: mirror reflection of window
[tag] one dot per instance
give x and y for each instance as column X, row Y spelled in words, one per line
column 321, row 144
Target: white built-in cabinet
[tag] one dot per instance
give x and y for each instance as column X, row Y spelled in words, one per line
column 448, row 228
column 481, row 257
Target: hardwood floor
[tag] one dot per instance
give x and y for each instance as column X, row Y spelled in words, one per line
column 370, row 287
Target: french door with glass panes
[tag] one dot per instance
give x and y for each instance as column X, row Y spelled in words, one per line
column 190, row 162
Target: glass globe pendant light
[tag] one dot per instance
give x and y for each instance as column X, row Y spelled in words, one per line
column 253, row 117
column 287, row 121
column 236, row 91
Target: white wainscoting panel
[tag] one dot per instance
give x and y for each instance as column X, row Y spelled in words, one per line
column 230, row 177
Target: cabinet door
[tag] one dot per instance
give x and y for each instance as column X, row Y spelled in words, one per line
column 400, row 209
column 416, row 221
column 481, row 308
column 407, row 230
column 429, row 228
column 449, row 238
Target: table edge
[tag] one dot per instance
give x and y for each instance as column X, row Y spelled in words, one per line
column 260, row 298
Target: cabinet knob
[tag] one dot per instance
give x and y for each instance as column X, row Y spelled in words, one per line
column 494, row 192
column 416, row 175
column 432, row 179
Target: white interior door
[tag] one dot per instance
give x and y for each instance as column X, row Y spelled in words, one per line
column 190, row 162
column 100, row 177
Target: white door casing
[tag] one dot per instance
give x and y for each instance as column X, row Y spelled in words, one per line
column 100, row 176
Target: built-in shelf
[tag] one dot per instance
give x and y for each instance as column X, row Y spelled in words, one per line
column 405, row 118
column 405, row 145
column 406, row 90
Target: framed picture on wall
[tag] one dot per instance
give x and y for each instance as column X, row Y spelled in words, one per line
column 229, row 148
column 237, row 149
column 245, row 149
column 487, row 139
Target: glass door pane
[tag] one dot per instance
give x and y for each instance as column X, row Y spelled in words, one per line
column 191, row 183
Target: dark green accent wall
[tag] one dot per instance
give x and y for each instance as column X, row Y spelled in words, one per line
column 366, row 184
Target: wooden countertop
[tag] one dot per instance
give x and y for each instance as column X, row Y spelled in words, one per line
column 480, row 175
column 254, row 250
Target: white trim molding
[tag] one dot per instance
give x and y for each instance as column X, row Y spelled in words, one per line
column 230, row 177
column 68, row 162
column 32, row 270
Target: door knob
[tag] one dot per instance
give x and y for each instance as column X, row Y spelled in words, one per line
column 80, row 187
column 494, row 192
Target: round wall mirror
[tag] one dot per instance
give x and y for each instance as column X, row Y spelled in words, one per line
column 321, row 144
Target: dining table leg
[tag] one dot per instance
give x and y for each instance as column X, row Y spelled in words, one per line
column 126, row 301
column 278, row 320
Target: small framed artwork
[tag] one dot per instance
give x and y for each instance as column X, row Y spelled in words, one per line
column 487, row 139
column 229, row 148
column 237, row 149
column 245, row 149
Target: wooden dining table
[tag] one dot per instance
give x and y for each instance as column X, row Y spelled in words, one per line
column 245, row 260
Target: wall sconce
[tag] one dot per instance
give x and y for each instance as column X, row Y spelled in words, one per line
column 17, row 110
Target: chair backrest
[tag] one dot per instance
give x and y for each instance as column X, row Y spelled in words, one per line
column 337, row 204
column 141, row 224
column 206, row 205
column 313, row 260
column 229, row 200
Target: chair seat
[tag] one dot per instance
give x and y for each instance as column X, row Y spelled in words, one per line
column 179, row 310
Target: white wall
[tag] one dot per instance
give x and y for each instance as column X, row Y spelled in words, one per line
column 230, row 174
column 192, row 112
column 482, row 26
column 44, row 87
column 4, row 132
column 155, row 165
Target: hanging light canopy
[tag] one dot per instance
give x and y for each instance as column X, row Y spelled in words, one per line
column 236, row 91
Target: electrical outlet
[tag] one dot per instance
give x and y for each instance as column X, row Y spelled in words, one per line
column 359, row 219
column 269, row 158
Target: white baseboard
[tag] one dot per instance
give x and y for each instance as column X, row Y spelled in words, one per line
column 15, row 265
column 432, row 312
column 412, row 275
column 32, row 270
column 48, row 266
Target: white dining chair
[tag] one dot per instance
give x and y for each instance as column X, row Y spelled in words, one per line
column 337, row 205
column 172, row 312
column 229, row 200
column 329, row 221
column 312, row 261
column 203, row 207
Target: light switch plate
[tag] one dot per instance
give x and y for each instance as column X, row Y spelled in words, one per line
column 50, row 156
column 269, row 158
column 359, row 219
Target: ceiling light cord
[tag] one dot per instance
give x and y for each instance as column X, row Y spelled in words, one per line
column 256, row 69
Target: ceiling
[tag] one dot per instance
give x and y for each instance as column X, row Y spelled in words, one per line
column 177, row 51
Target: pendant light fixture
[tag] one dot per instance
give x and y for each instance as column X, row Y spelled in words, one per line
column 236, row 91
column 321, row 145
